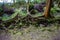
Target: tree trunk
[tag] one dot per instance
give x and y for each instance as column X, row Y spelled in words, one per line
column 47, row 10
column 14, row 2
column 59, row 3
column 28, row 7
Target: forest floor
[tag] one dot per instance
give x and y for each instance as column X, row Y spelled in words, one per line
column 51, row 32
column 32, row 33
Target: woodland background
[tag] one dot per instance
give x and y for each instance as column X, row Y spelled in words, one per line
column 30, row 20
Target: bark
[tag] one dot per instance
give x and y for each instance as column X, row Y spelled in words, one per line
column 48, row 8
